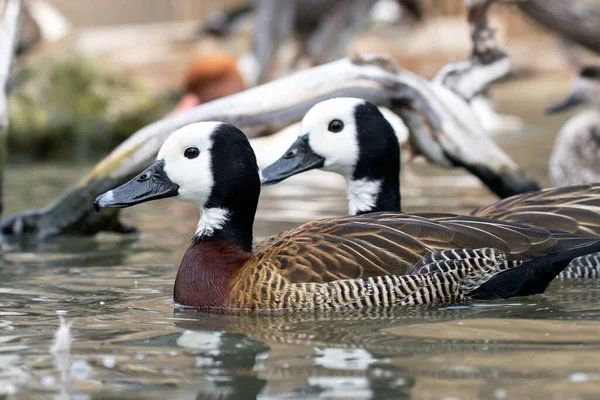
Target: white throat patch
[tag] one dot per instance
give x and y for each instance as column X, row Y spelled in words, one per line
column 362, row 194
column 211, row 219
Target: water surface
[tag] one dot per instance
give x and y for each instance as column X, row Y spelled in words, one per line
column 130, row 342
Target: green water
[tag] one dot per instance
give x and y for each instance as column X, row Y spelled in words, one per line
column 130, row 342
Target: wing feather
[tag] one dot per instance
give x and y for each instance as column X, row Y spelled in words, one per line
column 573, row 209
column 357, row 247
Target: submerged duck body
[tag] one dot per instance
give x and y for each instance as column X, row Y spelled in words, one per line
column 350, row 136
column 374, row 260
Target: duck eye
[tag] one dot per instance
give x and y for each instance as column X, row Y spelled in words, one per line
column 336, row 126
column 191, row 152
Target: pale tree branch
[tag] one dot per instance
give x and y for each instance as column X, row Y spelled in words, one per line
column 9, row 32
column 447, row 133
column 487, row 63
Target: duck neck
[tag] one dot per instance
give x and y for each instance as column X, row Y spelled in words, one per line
column 219, row 223
column 375, row 182
column 206, row 272
column 220, row 247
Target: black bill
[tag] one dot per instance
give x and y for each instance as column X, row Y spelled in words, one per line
column 152, row 184
column 298, row 158
column 570, row 101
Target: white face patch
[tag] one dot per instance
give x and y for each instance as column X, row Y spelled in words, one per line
column 194, row 176
column 340, row 150
column 362, row 195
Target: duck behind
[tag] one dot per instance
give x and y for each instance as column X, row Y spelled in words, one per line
column 368, row 261
column 351, row 137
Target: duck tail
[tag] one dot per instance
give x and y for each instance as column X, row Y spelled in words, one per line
column 524, row 278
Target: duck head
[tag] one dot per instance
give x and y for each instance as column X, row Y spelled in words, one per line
column 210, row 164
column 351, row 137
column 586, row 90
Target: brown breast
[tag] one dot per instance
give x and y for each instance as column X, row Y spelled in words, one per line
column 205, row 274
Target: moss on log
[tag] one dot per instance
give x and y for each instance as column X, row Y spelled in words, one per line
column 72, row 105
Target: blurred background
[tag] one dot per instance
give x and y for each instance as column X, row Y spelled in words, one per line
column 91, row 73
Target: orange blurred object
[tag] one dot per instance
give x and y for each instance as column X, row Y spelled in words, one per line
column 208, row 78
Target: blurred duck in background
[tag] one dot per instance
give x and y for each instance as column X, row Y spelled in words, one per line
column 575, row 158
column 212, row 76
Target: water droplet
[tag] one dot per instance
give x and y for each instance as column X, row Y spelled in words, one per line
column 48, row 380
column 399, row 382
column 204, row 361
column 80, row 370
column 578, row 377
column 7, row 388
column 109, row 362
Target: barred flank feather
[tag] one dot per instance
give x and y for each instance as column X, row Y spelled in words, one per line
column 583, row 267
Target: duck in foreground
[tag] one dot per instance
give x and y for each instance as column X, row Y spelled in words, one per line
column 351, row 137
column 575, row 157
column 375, row 260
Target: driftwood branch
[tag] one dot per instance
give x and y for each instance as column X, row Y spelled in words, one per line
column 487, row 63
column 9, row 32
column 577, row 20
column 449, row 135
